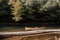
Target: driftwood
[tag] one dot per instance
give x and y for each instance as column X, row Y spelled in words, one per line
column 46, row 34
column 53, row 31
column 35, row 28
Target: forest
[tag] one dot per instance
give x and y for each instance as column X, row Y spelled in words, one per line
column 29, row 10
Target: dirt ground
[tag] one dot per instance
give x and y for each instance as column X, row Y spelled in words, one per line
column 36, row 37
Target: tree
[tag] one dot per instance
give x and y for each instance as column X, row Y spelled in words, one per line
column 16, row 10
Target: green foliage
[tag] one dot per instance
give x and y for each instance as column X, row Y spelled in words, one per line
column 4, row 8
column 46, row 10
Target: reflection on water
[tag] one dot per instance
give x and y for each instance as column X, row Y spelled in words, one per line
column 21, row 27
column 11, row 29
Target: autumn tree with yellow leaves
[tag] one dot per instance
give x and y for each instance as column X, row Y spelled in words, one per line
column 16, row 9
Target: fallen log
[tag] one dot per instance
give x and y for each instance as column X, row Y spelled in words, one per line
column 35, row 28
column 53, row 31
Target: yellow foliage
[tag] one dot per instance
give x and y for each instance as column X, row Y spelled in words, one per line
column 16, row 10
column 0, row 0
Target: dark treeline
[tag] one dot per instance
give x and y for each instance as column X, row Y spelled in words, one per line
column 29, row 13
